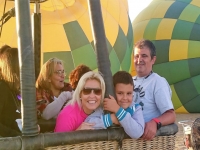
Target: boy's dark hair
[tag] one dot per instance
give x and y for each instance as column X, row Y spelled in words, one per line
column 122, row 77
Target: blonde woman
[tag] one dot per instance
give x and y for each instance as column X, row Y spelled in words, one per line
column 87, row 97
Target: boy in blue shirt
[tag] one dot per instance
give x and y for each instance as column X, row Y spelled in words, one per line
column 123, row 111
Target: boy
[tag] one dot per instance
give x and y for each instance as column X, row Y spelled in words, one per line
column 123, row 111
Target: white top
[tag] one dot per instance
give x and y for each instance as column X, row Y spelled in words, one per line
column 154, row 93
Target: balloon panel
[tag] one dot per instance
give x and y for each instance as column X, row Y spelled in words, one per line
column 86, row 55
column 66, row 32
column 114, row 60
column 120, row 44
column 174, row 27
column 188, row 94
column 75, row 35
column 78, row 35
column 194, row 49
column 175, row 99
column 125, row 64
column 175, row 10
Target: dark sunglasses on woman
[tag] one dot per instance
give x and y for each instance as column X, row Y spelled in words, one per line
column 87, row 91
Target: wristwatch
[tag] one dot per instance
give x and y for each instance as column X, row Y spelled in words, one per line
column 157, row 122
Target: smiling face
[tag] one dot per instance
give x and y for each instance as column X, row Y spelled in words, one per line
column 57, row 79
column 91, row 101
column 124, row 94
column 143, row 61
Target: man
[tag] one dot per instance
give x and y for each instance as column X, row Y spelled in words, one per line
column 152, row 91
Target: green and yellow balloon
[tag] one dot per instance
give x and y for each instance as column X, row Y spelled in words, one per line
column 77, row 46
column 66, row 33
column 174, row 28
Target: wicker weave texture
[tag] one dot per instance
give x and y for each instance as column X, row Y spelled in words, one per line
column 100, row 145
column 158, row 143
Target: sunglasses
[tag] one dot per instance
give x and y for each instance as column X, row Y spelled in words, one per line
column 87, row 91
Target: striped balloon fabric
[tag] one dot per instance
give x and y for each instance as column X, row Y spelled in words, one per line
column 174, row 28
column 66, row 32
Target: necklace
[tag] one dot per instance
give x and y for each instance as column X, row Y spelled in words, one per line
column 139, row 89
column 145, row 77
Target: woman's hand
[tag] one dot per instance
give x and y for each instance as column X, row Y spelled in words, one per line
column 86, row 126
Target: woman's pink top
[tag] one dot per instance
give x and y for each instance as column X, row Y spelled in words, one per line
column 70, row 118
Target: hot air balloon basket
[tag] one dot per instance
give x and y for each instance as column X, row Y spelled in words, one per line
column 158, row 143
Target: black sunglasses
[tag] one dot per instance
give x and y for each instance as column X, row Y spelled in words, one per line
column 87, row 91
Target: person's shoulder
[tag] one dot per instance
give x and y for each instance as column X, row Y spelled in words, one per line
column 71, row 108
column 99, row 110
column 159, row 81
column 134, row 77
column 158, row 77
column 3, row 86
column 2, row 83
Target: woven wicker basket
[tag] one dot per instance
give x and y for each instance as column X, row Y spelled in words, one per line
column 158, row 143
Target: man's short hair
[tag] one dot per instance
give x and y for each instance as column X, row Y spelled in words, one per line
column 146, row 43
column 122, row 77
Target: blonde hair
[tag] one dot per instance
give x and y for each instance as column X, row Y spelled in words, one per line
column 46, row 72
column 9, row 67
column 87, row 76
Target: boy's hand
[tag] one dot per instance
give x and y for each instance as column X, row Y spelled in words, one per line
column 149, row 130
column 110, row 104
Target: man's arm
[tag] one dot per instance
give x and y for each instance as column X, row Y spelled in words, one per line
column 151, row 127
column 168, row 117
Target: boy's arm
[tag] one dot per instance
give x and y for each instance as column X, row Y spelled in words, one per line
column 100, row 120
column 133, row 124
column 96, row 118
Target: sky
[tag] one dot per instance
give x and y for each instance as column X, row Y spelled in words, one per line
column 136, row 6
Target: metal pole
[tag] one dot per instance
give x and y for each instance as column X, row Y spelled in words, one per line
column 27, row 70
column 101, row 45
column 36, row 23
column 67, row 138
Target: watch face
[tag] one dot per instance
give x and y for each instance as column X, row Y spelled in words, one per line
column 159, row 125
